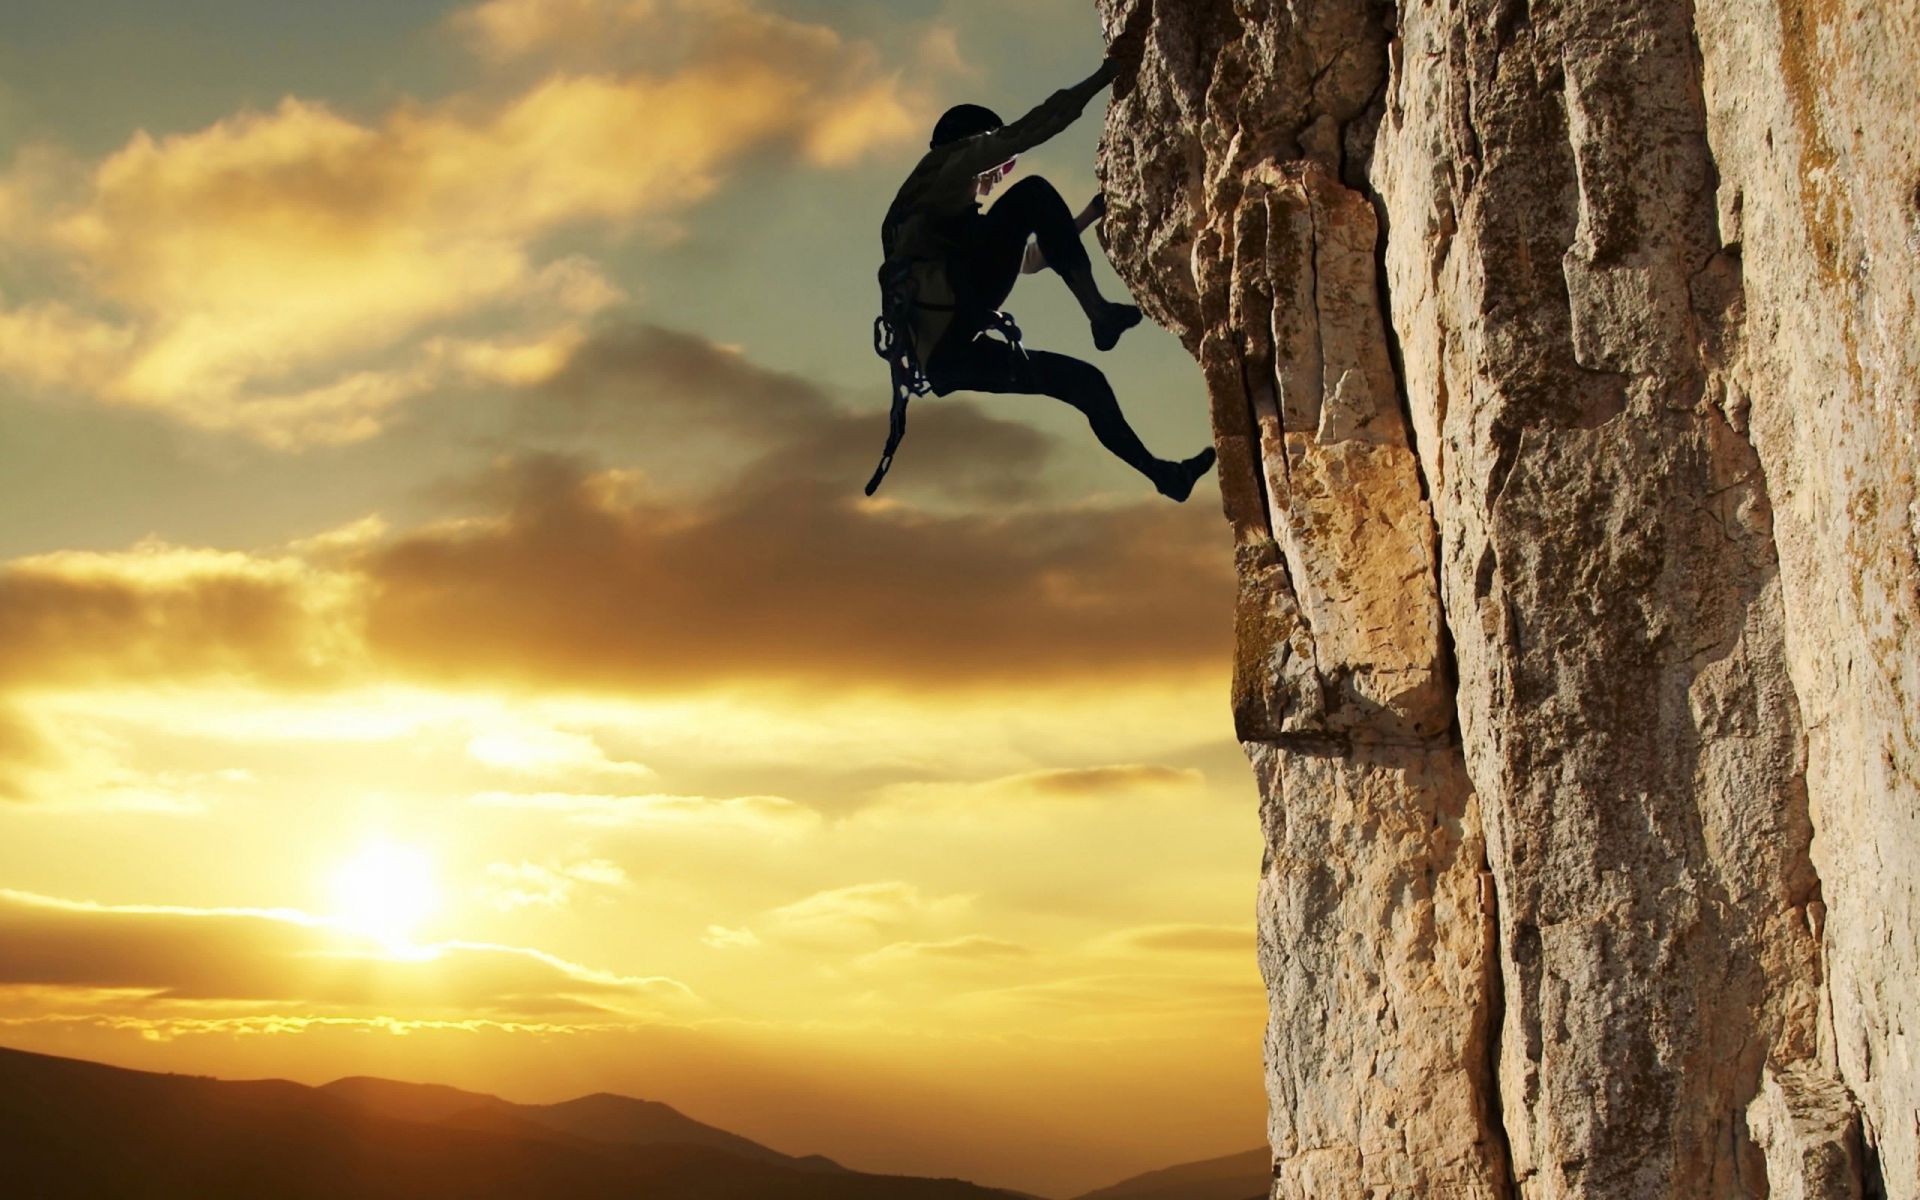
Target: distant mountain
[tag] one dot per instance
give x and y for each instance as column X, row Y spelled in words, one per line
column 601, row 1117
column 1233, row 1177
column 71, row 1130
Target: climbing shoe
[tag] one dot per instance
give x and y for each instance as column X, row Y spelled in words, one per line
column 1176, row 479
column 1108, row 327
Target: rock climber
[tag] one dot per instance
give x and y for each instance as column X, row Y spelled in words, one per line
column 950, row 266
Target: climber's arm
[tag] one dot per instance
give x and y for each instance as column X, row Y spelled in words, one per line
column 983, row 152
column 988, row 150
column 1036, row 261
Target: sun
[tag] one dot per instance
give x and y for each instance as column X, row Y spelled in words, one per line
column 385, row 892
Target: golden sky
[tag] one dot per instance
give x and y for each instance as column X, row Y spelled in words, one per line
column 444, row 637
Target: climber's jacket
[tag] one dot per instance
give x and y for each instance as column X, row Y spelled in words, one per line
column 923, row 229
column 924, row 223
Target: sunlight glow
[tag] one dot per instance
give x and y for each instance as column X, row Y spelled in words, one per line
column 385, row 892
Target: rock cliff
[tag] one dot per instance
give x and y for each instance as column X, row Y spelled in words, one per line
column 1565, row 377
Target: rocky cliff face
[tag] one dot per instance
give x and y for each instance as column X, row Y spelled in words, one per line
column 1565, row 375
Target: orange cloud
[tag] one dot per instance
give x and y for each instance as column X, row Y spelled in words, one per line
column 159, row 612
column 50, row 344
column 871, row 108
column 791, row 579
column 576, row 578
column 141, row 956
column 296, row 274
column 505, row 29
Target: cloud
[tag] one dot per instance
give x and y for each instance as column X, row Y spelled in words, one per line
column 96, row 786
column 506, row 29
column 635, row 378
column 1060, row 803
column 862, row 912
column 296, row 274
column 1100, row 781
column 779, row 568
column 655, row 377
column 64, row 764
column 542, row 752
column 762, row 814
column 212, row 957
column 868, row 106
column 573, row 577
column 47, row 343
column 530, row 885
column 972, row 949
column 161, row 612
column 1145, row 1001
column 24, row 749
column 792, row 579
column 1027, row 787
column 166, row 1029
column 939, row 51
column 1180, row 939
column 722, row 937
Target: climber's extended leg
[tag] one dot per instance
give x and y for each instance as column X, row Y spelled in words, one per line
column 985, row 364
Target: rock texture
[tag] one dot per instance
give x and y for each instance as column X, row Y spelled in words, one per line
column 1565, row 375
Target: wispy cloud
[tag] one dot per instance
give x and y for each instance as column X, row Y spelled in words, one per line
column 765, row 814
column 723, row 937
column 543, row 752
column 848, row 916
column 1179, row 939
column 168, row 1028
column 969, row 950
column 525, row 884
column 1054, row 785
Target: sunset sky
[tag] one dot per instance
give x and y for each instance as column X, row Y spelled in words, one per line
column 442, row 636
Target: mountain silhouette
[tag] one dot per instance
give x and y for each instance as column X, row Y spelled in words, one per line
column 1243, row 1176
column 74, row 1129
column 601, row 1117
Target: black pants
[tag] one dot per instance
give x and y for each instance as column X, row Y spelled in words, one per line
column 983, row 272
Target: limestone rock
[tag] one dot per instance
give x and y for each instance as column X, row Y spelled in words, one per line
column 1808, row 1128
column 1563, row 364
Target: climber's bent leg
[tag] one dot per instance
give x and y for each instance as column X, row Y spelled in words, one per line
column 989, row 259
column 1034, row 208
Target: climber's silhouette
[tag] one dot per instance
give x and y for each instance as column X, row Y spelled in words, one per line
column 949, row 266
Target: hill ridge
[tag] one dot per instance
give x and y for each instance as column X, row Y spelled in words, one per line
column 77, row 1128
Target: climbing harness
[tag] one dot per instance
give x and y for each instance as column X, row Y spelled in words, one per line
column 1003, row 324
column 893, row 341
column 893, row 328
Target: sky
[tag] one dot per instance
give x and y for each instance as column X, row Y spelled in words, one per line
column 444, row 637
